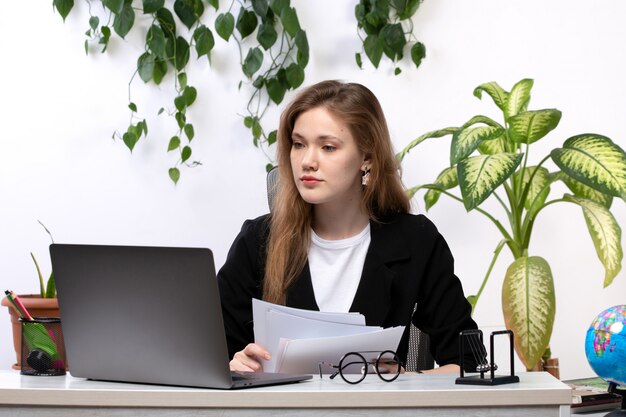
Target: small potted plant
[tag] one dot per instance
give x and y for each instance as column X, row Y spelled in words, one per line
column 44, row 304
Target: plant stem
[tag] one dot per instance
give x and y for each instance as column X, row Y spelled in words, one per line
column 493, row 262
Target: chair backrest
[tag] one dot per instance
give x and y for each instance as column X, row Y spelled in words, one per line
column 418, row 355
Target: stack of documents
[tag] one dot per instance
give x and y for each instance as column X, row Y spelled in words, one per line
column 299, row 340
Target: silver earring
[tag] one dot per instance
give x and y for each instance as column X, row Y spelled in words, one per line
column 365, row 179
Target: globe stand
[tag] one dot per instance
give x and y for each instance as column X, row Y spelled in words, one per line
column 620, row 412
column 474, row 339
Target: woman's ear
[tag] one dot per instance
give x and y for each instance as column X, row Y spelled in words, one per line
column 367, row 163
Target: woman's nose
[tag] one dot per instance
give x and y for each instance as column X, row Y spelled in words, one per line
column 309, row 160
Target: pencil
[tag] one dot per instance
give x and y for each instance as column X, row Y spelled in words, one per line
column 19, row 306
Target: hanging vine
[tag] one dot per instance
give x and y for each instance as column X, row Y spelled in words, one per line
column 272, row 62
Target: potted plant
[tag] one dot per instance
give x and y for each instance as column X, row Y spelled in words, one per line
column 44, row 304
column 491, row 159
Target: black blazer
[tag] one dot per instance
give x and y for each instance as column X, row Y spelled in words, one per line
column 407, row 263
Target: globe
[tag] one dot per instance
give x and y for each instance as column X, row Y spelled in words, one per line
column 605, row 345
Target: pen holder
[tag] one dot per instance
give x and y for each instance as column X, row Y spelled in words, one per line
column 43, row 350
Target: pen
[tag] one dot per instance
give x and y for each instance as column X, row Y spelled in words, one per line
column 19, row 306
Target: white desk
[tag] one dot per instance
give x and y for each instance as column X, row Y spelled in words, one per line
column 537, row 394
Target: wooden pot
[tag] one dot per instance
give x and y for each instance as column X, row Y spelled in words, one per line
column 37, row 307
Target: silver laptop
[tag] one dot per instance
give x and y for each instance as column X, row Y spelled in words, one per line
column 146, row 315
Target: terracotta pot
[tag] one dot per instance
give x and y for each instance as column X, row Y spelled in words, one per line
column 37, row 307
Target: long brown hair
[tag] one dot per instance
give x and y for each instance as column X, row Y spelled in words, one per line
column 290, row 221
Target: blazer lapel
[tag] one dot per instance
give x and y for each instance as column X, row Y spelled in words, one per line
column 373, row 296
column 301, row 294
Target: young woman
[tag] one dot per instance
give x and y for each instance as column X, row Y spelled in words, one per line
column 340, row 237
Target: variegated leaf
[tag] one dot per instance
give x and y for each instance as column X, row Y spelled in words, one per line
column 595, row 161
column 481, row 119
column 606, row 235
column 433, row 134
column 581, row 190
column 498, row 95
column 480, row 175
column 530, row 126
column 529, row 306
column 493, row 146
column 539, row 187
column 445, row 180
column 465, row 141
column 518, row 98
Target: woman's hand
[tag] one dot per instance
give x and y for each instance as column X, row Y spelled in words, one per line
column 249, row 359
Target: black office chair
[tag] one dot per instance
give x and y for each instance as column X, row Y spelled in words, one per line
column 418, row 355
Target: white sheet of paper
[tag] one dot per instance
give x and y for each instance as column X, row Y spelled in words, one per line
column 304, row 355
column 288, row 326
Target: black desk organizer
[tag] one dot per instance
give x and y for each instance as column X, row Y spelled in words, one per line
column 475, row 339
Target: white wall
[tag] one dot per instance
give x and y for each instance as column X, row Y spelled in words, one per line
column 59, row 108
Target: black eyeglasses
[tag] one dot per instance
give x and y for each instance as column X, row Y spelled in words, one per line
column 353, row 366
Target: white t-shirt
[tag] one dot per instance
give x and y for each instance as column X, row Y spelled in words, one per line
column 336, row 267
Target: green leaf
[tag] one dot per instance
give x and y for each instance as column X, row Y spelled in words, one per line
column 497, row 94
column 529, row 306
column 63, row 7
column 204, row 40
column 167, row 23
column 539, row 187
column 253, row 62
column 275, row 90
column 271, row 138
column 248, row 122
column 186, row 153
column 188, row 11
column 182, row 79
column 224, row 25
column 260, row 7
column 189, row 131
column 174, row 143
column 116, row 6
column 480, row 175
column 257, row 130
column 278, row 6
column 373, row 47
column 393, row 40
column 246, row 22
column 418, row 53
column 181, row 119
column 130, row 139
column 190, row 94
column 124, row 20
column 518, row 98
column 530, row 126
column 174, row 174
column 266, row 35
column 132, row 106
column 155, row 40
column 302, row 56
column 179, row 55
column 584, row 191
column 466, row 141
column 51, row 288
column 94, row 21
column 289, row 19
column 214, row 3
column 445, row 180
column 409, row 9
column 595, row 161
column 432, row 134
column 151, row 6
column 295, row 75
column 606, row 235
column 179, row 103
column 145, row 66
column 160, row 69
column 359, row 60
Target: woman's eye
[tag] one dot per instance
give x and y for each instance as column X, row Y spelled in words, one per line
column 329, row 148
column 297, row 145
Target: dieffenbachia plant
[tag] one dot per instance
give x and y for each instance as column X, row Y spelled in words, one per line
column 490, row 158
